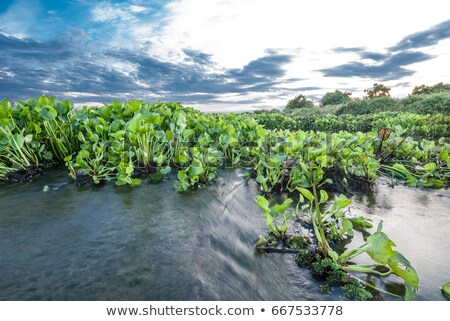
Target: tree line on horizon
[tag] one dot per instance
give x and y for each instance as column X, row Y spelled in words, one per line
column 423, row 100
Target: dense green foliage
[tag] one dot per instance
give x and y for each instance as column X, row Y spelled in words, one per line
column 335, row 98
column 129, row 141
column 438, row 88
column 368, row 106
column 423, row 100
column 299, row 102
column 378, row 90
column 427, row 104
column 430, row 126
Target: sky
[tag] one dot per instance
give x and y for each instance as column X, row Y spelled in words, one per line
column 219, row 55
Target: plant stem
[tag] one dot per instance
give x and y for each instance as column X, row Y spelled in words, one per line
column 376, row 288
column 322, row 239
column 363, row 269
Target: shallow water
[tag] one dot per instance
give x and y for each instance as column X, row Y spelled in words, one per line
column 151, row 243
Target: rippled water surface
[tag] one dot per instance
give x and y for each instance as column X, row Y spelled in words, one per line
column 151, row 243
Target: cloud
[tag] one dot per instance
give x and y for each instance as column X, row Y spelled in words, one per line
column 424, row 38
column 390, row 65
column 19, row 18
column 376, row 56
column 138, row 9
column 390, row 68
column 66, row 70
column 352, row 49
column 105, row 11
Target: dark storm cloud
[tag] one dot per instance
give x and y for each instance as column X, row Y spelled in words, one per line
column 424, row 38
column 29, row 68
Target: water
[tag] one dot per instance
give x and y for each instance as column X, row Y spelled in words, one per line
column 151, row 243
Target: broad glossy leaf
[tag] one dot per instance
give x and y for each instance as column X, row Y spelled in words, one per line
column 340, row 202
column 188, row 133
column 263, row 203
column 379, row 247
column 135, row 122
column 48, row 113
column 196, row 167
column 181, row 122
column 401, row 267
column 19, row 139
column 430, row 167
column 281, row 208
column 306, row 193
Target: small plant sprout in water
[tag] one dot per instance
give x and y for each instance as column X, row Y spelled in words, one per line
column 277, row 229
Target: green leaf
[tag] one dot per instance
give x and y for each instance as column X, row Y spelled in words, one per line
column 260, row 179
column 430, row 167
column 347, row 225
column 181, row 158
column 156, row 178
column 48, row 113
column 400, row 168
column 360, row 222
column 281, row 208
column 94, row 138
column 188, row 133
column 18, row 138
column 333, row 255
column 446, row 290
column 48, row 155
column 81, row 138
column 410, row 293
column 135, row 122
column 166, row 170
column 181, row 122
column 379, row 247
column 401, row 267
column 323, row 196
column 306, row 193
column 99, row 129
column 153, row 118
column 340, row 202
column 196, row 167
column 263, row 203
column 261, row 241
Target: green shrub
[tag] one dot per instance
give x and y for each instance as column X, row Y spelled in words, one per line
column 368, row 106
column 438, row 103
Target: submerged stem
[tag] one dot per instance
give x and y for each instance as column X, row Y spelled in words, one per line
column 376, row 288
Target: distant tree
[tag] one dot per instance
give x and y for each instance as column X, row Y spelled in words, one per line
column 438, row 88
column 378, row 90
column 335, row 98
column 299, row 102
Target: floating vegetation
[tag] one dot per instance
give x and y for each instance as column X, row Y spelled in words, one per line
column 129, row 142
